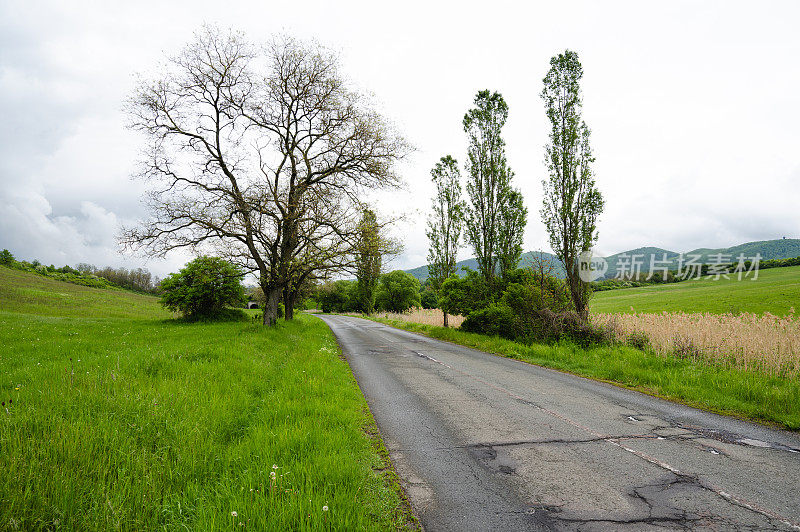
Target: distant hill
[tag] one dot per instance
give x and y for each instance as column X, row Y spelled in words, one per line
column 421, row 272
column 768, row 249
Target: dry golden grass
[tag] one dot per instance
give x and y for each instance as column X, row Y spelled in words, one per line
column 424, row 316
column 763, row 342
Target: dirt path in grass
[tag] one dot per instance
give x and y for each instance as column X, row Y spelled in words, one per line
column 487, row 443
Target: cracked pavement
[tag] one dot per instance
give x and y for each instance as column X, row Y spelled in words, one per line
column 483, row 442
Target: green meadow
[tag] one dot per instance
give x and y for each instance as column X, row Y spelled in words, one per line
column 117, row 416
column 776, row 291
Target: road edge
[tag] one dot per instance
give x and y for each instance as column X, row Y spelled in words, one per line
column 640, row 389
column 387, row 472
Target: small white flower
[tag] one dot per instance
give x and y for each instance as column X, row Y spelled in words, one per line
column 325, row 508
column 234, row 514
column 274, row 466
column 272, row 475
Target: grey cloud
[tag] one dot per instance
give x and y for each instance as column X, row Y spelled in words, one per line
column 696, row 138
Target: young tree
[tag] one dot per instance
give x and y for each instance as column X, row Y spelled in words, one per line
column 513, row 218
column 489, row 227
column 444, row 224
column 265, row 166
column 572, row 202
column 544, row 271
column 369, row 254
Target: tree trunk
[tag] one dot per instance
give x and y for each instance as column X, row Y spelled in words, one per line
column 582, row 309
column 272, row 295
column 445, row 318
column 288, row 302
column 578, row 296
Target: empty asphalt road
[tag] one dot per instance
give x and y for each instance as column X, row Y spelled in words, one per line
column 488, row 443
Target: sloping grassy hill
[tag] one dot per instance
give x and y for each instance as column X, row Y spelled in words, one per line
column 26, row 293
column 776, row 291
column 114, row 417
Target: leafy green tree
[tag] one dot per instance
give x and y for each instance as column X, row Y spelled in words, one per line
column 337, row 296
column 398, row 292
column 369, row 251
column 572, row 202
column 203, row 288
column 6, row 258
column 490, row 227
column 463, row 295
column 444, row 224
column 428, row 299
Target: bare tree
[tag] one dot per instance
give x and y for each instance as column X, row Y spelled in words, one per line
column 543, row 268
column 268, row 168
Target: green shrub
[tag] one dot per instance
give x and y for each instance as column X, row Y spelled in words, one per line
column 517, row 313
column 338, row 296
column 554, row 326
column 494, row 320
column 203, row 288
column 684, row 348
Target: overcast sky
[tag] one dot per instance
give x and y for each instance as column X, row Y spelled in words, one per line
column 694, row 109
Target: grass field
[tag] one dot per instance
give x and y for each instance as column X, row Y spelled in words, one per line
column 116, row 417
column 726, row 390
column 776, row 291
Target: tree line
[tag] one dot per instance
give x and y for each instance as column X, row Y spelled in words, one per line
column 395, row 291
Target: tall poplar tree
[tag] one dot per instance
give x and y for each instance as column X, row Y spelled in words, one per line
column 572, row 202
column 445, row 223
column 368, row 260
column 494, row 221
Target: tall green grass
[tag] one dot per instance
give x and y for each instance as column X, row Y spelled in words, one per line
column 776, row 291
column 726, row 390
column 118, row 418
